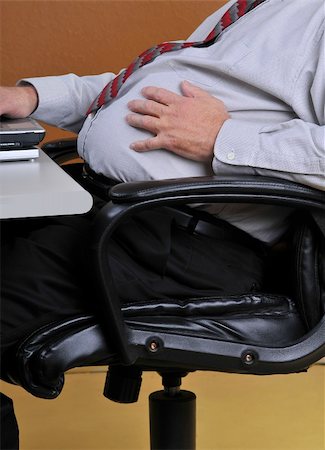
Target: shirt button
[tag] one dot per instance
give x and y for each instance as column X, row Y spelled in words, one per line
column 231, row 156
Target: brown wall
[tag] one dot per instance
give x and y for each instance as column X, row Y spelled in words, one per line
column 49, row 37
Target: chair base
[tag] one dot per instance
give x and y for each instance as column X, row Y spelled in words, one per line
column 172, row 420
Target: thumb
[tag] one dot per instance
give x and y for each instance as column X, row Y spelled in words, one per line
column 189, row 90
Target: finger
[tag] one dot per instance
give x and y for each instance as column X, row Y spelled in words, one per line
column 189, row 90
column 157, row 143
column 149, row 107
column 144, row 122
column 160, row 95
column 146, row 145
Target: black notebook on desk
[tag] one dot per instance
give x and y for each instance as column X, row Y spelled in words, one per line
column 19, row 138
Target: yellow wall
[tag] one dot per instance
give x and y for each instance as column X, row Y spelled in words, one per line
column 42, row 37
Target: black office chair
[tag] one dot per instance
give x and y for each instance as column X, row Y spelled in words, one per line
column 279, row 331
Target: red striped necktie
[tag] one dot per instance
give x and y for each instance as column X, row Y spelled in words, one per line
column 111, row 90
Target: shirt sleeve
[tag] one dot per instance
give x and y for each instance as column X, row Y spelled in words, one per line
column 64, row 100
column 293, row 150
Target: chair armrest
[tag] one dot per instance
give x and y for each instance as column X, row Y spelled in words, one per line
column 218, row 189
column 61, row 150
column 129, row 198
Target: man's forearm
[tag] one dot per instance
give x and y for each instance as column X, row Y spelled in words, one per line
column 18, row 102
column 64, row 100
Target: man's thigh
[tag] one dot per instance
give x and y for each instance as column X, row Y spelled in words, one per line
column 153, row 257
column 43, row 277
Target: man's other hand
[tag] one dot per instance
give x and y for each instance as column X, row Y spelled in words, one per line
column 18, row 102
column 185, row 124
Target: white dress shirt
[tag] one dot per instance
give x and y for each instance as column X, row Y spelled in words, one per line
column 269, row 70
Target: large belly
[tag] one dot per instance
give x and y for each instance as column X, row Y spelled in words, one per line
column 105, row 143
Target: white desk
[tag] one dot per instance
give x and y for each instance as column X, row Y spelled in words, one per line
column 39, row 188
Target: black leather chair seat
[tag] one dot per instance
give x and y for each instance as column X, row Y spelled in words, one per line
column 252, row 319
column 265, row 320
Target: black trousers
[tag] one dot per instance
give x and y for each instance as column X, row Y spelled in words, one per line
column 45, row 275
column 9, row 428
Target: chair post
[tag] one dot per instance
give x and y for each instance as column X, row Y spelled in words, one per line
column 172, row 417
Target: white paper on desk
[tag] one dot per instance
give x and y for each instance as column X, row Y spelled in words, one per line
column 19, row 155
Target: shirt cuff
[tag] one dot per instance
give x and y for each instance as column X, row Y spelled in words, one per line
column 52, row 97
column 237, row 143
